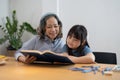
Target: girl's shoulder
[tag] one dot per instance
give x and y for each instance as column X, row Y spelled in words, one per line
column 87, row 49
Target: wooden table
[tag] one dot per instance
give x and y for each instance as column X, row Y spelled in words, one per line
column 14, row 70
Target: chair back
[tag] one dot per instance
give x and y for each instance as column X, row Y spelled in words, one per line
column 105, row 57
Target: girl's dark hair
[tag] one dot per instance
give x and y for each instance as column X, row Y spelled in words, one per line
column 43, row 24
column 78, row 32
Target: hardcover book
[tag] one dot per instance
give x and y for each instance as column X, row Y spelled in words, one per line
column 47, row 56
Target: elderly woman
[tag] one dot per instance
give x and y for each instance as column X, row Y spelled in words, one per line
column 49, row 38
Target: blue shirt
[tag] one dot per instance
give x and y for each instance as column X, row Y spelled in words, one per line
column 86, row 50
column 42, row 44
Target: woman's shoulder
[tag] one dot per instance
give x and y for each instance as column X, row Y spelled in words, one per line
column 59, row 41
column 33, row 39
column 36, row 37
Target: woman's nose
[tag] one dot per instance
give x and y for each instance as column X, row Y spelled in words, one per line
column 53, row 29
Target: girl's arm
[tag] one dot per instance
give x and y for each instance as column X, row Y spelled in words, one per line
column 89, row 58
column 63, row 54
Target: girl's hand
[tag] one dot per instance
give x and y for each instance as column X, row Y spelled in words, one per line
column 63, row 54
column 27, row 59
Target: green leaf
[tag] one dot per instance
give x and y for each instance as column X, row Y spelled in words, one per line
column 2, row 40
column 29, row 28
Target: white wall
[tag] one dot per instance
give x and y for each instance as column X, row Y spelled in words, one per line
column 101, row 18
column 49, row 6
column 4, row 10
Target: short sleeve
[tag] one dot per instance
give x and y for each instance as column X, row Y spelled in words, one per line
column 87, row 50
column 64, row 48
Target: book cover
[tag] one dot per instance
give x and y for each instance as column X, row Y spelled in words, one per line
column 47, row 56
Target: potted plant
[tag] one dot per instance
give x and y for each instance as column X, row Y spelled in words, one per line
column 13, row 32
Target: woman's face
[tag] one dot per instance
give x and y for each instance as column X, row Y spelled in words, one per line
column 72, row 42
column 52, row 28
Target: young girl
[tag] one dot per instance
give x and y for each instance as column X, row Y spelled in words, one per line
column 77, row 48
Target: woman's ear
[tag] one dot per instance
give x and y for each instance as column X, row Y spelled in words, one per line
column 38, row 31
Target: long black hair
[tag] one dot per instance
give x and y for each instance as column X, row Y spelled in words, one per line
column 78, row 32
column 43, row 24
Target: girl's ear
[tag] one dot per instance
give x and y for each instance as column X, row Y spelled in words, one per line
column 83, row 42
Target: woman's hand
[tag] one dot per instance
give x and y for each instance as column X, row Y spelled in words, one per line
column 27, row 59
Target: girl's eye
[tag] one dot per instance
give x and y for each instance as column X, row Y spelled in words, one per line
column 69, row 37
column 76, row 40
column 56, row 26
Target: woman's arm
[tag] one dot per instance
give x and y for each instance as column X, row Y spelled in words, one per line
column 28, row 45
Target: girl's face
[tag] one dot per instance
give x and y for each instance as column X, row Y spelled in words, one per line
column 72, row 42
column 52, row 28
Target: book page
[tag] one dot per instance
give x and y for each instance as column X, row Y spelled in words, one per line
column 48, row 51
column 31, row 51
column 36, row 51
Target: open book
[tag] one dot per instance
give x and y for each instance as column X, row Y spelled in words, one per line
column 47, row 56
